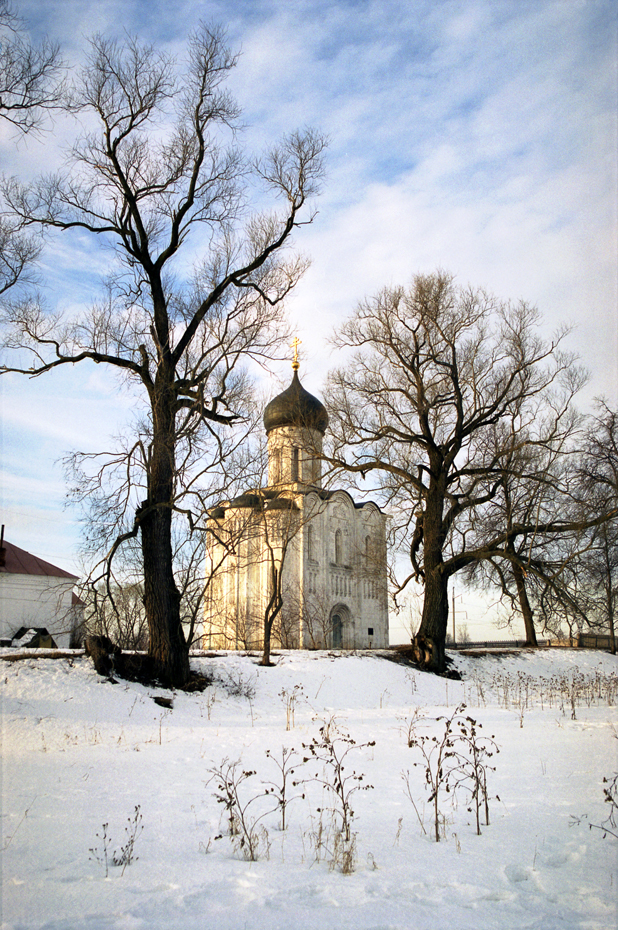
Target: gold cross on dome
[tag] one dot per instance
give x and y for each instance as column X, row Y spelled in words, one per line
column 294, row 345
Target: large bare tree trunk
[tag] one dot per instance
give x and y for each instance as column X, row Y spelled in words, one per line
column 610, row 617
column 609, row 589
column 168, row 647
column 431, row 637
column 524, row 605
column 429, row 642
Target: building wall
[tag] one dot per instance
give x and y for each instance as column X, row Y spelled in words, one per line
column 343, row 574
column 334, row 566
column 36, row 601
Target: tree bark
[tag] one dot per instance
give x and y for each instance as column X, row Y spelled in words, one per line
column 429, row 642
column 431, row 637
column 272, row 610
column 609, row 589
column 610, row 617
column 168, row 648
column 524, row 604
column 265, row 660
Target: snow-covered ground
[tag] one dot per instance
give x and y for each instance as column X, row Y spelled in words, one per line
column 79, row 752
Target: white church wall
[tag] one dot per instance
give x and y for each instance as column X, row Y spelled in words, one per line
column 337, row 576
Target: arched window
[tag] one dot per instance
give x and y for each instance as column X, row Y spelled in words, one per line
column 295, row 463
column 338, row 548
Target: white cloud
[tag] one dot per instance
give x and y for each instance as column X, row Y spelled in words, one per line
column 476, row 135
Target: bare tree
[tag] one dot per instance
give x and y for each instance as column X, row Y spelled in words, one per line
column 120, row 617
column 157, row 171
column 31, row 84
column 189, row 558
column 598, row 579
column 535, row 487
column 31, row 76
column 582, row 594
column 18, row 253
column 315, row 607
column 116, row 610
column 597, row 563
column 433, row 370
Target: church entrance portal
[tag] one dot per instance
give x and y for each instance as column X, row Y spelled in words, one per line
column 337, row 628
column 339, row 618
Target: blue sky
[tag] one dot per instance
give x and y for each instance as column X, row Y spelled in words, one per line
column 479, row 137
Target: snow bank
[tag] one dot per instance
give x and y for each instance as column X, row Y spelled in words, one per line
column 79, row 752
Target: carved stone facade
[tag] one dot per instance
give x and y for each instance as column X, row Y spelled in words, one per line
column 329, row 551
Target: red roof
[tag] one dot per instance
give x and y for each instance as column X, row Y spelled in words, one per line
column 19, row 562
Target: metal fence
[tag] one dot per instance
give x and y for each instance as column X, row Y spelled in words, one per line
column 593, row 641
column 583, row 641
column 489, row 644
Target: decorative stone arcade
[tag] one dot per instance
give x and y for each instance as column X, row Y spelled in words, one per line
column 331, row 552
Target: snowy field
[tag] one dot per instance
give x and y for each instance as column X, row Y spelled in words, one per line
column 79, row 752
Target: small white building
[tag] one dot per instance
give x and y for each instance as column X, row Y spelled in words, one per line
column 330, row 550
column 36, row 595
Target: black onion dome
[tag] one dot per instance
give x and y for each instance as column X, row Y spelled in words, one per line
column 296, row 407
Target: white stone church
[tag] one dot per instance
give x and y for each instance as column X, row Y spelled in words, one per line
column 327, row 552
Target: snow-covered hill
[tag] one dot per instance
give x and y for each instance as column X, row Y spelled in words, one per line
column 79, row 752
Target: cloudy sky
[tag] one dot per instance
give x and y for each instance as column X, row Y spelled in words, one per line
column 478, row 137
